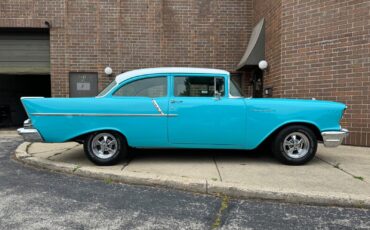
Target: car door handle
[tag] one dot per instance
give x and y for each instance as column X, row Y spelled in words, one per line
column 175, row 101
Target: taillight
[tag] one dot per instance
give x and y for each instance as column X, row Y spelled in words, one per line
column 27, row 124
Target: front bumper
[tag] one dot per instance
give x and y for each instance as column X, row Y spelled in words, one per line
column 29, row 133
column 334, row 138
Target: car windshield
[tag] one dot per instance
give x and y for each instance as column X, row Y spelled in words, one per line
column 107, row 89
column 234, row 89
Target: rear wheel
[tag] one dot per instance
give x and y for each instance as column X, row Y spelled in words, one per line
column 295, row 145
column 105, row 148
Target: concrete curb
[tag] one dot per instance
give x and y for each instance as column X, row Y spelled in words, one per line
column 193, row 185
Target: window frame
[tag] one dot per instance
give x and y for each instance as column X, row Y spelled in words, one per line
column 237, row 87
column 107, row 91
column 137, row 78
column 173, row 76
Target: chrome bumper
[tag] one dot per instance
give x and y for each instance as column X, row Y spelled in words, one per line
column 29, row 133
column 334, row 138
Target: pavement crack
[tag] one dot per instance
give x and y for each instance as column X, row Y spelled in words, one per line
column 28, row 147
column 337, row 166
column 225, row 200
column 125, row 163
column 55, row 154
column 218, row 170
column 62, row 151
column 24, row 157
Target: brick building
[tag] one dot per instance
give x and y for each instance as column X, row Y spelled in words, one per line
column 314, row 48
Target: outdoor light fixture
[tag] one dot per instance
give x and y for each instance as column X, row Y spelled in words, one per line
column 262, row 64
column 108, row 71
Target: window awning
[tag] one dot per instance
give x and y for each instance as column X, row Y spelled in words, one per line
column 256, row 47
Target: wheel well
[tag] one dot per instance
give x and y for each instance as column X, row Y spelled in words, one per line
column 81, row 138
column 312, row 127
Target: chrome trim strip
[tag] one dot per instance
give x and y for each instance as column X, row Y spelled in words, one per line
column 103, row 115
column 157, row 106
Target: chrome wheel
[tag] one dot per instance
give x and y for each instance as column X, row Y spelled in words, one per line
column 296, row 145
column 104, row 145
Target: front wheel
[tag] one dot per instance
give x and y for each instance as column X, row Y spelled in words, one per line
column 105, row 148
column 295, row 145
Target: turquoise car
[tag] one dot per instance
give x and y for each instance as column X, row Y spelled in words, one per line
column 183, row 108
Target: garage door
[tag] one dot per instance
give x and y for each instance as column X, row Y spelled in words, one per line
column 24, row 52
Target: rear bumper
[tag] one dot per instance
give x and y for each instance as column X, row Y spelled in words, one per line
column 29, row 133
column 334, row 138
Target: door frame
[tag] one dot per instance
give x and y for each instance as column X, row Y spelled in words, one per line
column 226, row 97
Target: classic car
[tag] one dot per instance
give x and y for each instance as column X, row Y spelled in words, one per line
column 183, row 108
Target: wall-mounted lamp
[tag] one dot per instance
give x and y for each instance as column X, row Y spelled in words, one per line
column 262, row 65
column 262, row 92
column 108, row 71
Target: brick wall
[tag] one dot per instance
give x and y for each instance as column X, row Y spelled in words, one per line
column 326, row 55
column 87, row 35
column 270, row 10
column 321, row 49
column 314, row 48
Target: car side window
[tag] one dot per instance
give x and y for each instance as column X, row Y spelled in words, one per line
column 196, row 86
column 234, row 89
column 147, row 87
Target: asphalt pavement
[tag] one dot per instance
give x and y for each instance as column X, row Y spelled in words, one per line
column 36, row 199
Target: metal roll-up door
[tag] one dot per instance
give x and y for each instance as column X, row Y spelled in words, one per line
column 24, row 52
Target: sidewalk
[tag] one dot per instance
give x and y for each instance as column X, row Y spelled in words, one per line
column 8, row 132
column 338, row 176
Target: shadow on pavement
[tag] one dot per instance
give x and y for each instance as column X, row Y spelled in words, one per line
column 194, row 154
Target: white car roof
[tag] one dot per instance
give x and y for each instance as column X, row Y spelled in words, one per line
column 166, row 70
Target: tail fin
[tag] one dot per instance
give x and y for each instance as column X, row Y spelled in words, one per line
column 25, row 102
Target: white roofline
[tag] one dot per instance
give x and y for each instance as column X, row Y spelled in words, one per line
column 166, row 70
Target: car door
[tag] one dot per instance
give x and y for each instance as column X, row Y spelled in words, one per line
column 204, row 113
column 145, row 101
